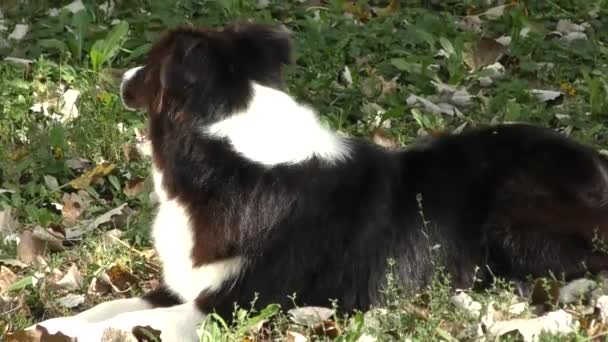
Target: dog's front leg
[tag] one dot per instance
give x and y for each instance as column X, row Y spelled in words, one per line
column 78, row 324
column 74, row 325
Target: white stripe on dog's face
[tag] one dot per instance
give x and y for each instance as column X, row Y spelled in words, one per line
column 126, row 77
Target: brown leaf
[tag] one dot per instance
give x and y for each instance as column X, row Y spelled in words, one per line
column 377, row 85
column 134, row 186
column 310, row 316
column 392, row 7
column 486, row 52
column 31, row 249
column 52, row 239
column 131, row 152
column 13, row 263
column 89, row 177
column 40, row 334
column 7, row 278
column 357, row 10
column 98, row 287
column 71, row 281
column 327, row 329
column 383, row 138
column 73, row 208
column 119, row 278
column 293, row 336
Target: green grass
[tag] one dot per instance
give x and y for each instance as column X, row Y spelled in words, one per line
column 389, row 57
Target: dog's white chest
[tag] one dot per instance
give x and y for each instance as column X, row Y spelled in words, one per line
column 173, row 236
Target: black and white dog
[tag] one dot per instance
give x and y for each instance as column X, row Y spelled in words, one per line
column 256, row 197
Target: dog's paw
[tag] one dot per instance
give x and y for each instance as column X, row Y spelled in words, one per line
column 87, row 331
column 170, row 325
column 69, row 326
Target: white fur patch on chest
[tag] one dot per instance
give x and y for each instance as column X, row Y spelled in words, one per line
column 275, row 129
column 174, row 240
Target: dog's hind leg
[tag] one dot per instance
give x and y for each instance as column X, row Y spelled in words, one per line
column 550, row 210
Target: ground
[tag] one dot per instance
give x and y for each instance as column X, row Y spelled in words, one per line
column 75, row 190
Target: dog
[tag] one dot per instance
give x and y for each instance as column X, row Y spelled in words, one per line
column 259, row 200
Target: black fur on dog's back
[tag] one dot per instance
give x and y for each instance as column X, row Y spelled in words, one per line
column 513, row 199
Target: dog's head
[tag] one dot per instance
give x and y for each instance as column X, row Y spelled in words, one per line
column 206, row 74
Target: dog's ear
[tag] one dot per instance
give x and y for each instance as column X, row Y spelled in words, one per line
column 184, row 62
column 262, row 50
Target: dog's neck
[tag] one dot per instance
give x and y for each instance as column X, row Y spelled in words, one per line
column 275, row 129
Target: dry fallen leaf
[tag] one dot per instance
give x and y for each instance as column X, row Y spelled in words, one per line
column 495, row 12
column 486, row 52
column 115, row 335
column 71, row 300
column 53, row 240
column 68, row 108
column 356, row 10
column 73, row 208
column 79, row 164
column 31, row 249
column 390, row 9
column 310, row 316
column 89, row 177
column 13, row 263
column 134, row 186
column 98, row 287
column 428, row 106
column 547, row 96
column 381, row 137
column 557, row 322
column 19, row 32
column 72, row 233
column 465, row 303
column 470, row 23
column 75, row 6
column 119, row 278
column 293, row 336
column 7, row 278
column 366, row 338
column 328, row 329
column 71, row 281
column 8, row 224
column 51, row 182
column 112, row 237
column 602, row 306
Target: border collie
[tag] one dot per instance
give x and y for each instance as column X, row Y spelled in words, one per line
column 258, row 198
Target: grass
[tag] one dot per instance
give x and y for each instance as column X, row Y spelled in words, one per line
column 358, row 74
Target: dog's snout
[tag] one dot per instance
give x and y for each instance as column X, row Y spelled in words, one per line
column 130, row 73
column 127, row 95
